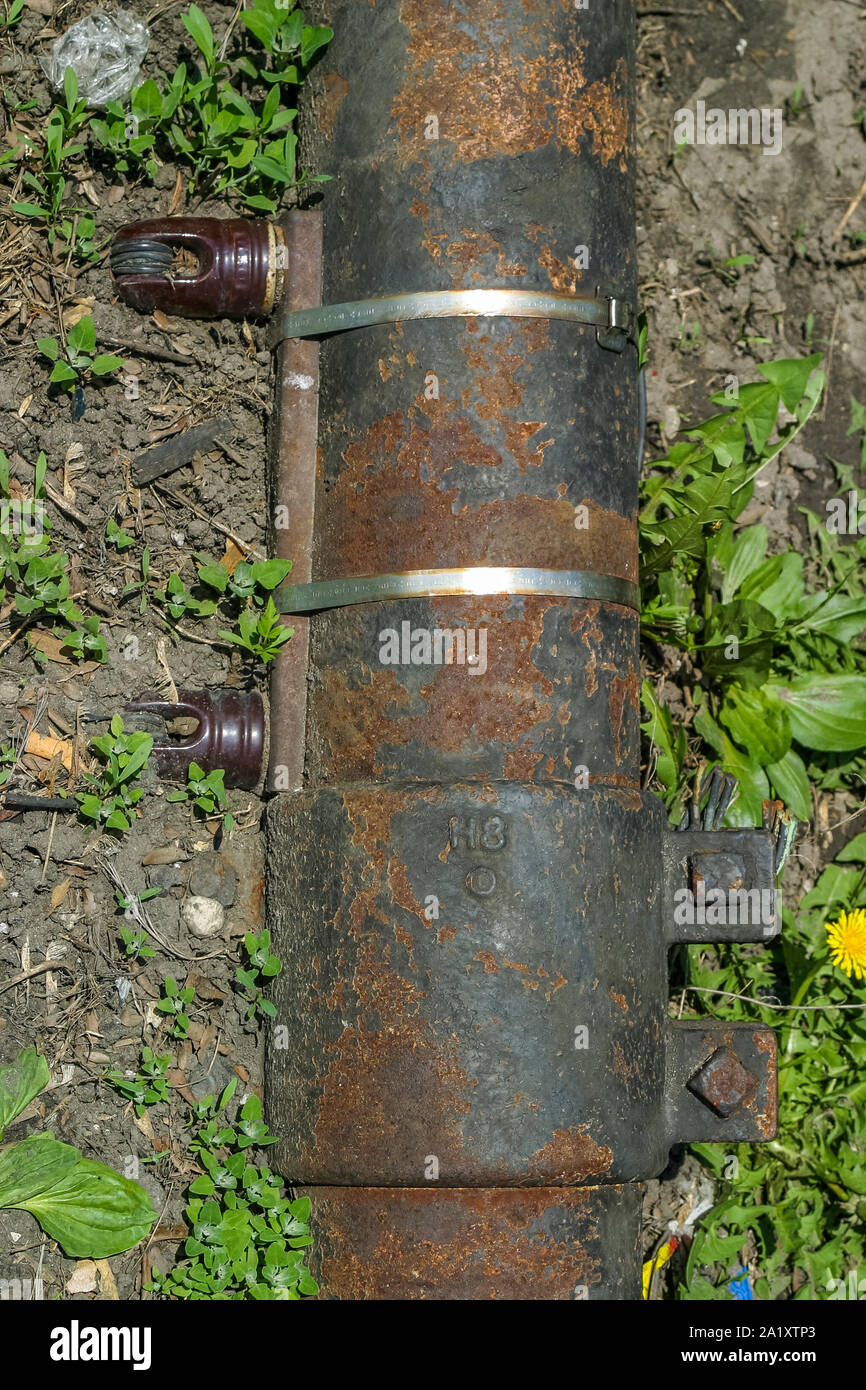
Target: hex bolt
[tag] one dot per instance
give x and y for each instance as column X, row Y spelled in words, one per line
column 713, row 871
column 723, row 1083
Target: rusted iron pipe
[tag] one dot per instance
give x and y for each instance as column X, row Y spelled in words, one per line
column 472, row 1060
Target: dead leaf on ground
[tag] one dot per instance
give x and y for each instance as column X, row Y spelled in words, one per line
column 177, row 1079
column 107, row 1281
column 83, row 669
column 79, row 310
column 73, row 464
column 59, row 894
column 43, row 746
column 232, row 557
column 205, row 1042
column 142, row 1123
column 176, row 1232
column 82, row 1278
column 43, row 289
column 177, row 194
column 204, row 988
column 49, row 645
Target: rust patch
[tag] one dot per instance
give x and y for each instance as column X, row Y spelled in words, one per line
column 724, row 1083
column 565, row 279
column 622, row 690
column 490, row 1244
column 520, row 764
column 502, row 99
column 602, row 113
column 571, row 1156
column 354, row 726
column 403, row 470
column 334, row 1000
column 765, row 1041
column 488, row 960
column 335, row 89
column 622, row 1067
column 468, row 253
column 592, row 637
column 361, row 720
column 494, row 104
column 401, row 890
column 619, row 999
column 519, row 701
column 496, row 392
column 387, row 1083
column 628, row 800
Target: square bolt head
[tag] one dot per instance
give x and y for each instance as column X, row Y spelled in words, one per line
column 723, row 1083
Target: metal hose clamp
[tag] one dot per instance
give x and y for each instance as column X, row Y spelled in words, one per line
column 482, row 580
column 612, row 316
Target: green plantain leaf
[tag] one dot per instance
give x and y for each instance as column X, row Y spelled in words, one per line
column 93, row 1212
column 19, row 1083
column 749, row 551
column 827, row 713
column 28, row 1168
column 791, row 782
column 756, row 724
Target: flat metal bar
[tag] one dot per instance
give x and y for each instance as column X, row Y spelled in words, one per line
column 294, row 442
column 606, row 312
column 482, row 580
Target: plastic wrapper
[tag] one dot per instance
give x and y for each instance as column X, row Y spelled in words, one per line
column 105, row 51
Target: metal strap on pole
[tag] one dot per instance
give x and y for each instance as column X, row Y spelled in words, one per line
column 482, row 580
column 611, row 316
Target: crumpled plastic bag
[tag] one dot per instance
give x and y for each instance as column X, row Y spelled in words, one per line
column 105, row 51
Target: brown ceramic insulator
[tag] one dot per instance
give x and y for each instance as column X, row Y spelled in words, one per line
column 239, row 272
column 230, row 734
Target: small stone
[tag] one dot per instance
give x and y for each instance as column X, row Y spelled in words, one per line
column 166, row 876
column 212, row 876
column 203, row 916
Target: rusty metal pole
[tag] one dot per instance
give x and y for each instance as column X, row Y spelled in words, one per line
column 472, row 1062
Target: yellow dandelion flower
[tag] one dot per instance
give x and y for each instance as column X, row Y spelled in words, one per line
column 847, row 941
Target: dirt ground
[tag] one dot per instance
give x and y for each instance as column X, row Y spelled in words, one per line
column 804, row 291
